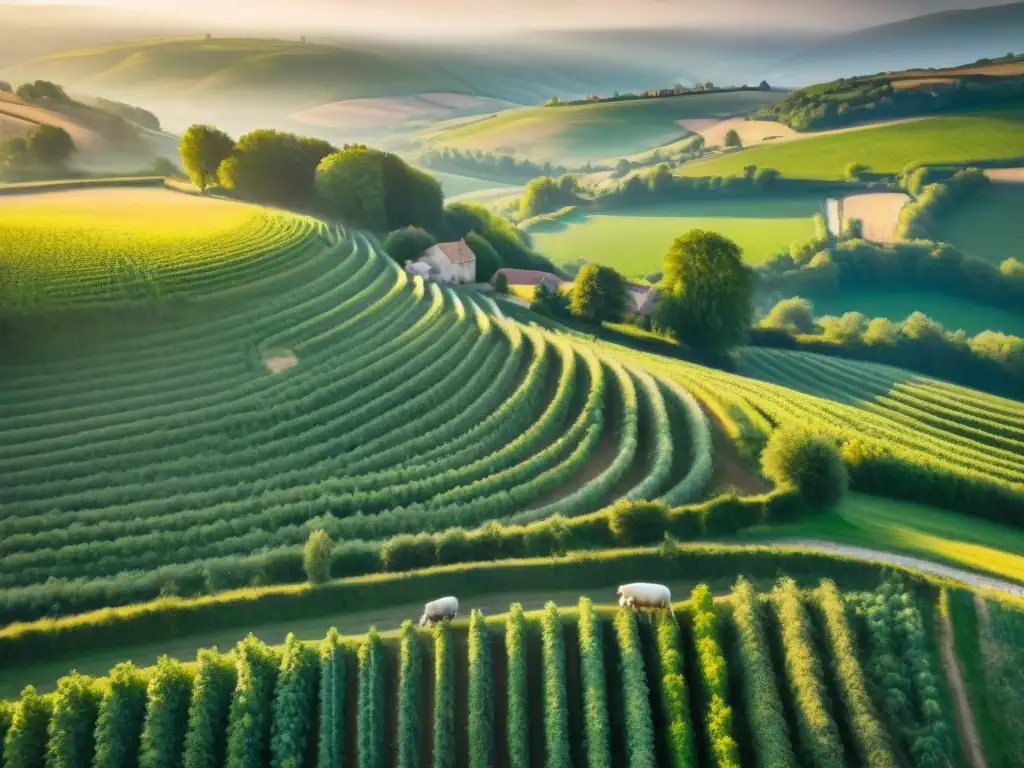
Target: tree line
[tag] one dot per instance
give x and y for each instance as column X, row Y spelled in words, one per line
column 487, row 164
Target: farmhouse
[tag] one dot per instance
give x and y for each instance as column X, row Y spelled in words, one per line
column 644, row 298
column 450, row 262
column 532, row 277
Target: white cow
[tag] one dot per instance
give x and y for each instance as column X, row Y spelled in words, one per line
column 440, row 609
column 640, row 595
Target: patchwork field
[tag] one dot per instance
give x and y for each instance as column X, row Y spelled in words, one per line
column 634, row 240
column 885, row 149
column 593, row 132
column 954, row 313
column 989, row 225
column 92, row 246
column 879, row 214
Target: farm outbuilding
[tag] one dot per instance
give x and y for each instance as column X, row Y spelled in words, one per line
column 451, row 262
column 644, row 298
column 533, row 277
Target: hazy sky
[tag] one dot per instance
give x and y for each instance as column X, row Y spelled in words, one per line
column 405, row 16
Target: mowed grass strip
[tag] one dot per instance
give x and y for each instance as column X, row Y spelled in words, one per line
column 989, row 225
column 871, row 521
column 634, row 241
column 994, row 135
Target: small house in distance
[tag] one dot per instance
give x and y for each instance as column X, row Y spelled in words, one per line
column 531, row 277
column 450, row 262
column 644, row 298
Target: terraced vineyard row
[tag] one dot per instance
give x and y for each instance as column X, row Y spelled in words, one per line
column 155, row 466
column 766, row 679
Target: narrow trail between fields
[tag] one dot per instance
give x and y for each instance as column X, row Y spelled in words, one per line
column 961, row 704
column 919, row 564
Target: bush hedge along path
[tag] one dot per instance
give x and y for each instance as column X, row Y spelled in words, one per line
column 287, row 706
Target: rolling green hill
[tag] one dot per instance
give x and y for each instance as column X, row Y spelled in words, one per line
column 989, row 225
column 993, row 135
column 591, row 132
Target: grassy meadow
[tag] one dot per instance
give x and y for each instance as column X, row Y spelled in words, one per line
column 592, row 132
column 914, row 529
column 989, row 224
column 953, row 312
column 634, row 240
column 887, row 149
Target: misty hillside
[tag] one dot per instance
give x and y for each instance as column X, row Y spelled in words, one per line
column 936, row 40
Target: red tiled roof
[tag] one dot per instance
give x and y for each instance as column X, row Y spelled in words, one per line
column 457, row 253
column 527, row 276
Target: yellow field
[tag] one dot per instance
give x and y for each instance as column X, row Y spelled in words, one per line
column 76, row 244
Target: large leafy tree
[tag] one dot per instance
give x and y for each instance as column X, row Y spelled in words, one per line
column 203, row 148
column 599, row 295
column 50, row 145
column 707, row 291
column 274, row 167
column 351, row 184
column 408, row 243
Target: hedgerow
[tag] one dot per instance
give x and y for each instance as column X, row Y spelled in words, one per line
column 251, row 713
column 294, row 707
column 871, row 740
column 764, row 707
column 592, row 680
column 556, row 706
column 167, row 702
column 711, row 666
column 816, row 730
column 518, row 724
column 70, row 741
column 121, row 716
column 370, row 707
column 206, row 733
column 330, row 739
column 444, row 697
column 480, row 696
column 409, row 698
column 25, row 740
column 635, row 695
column 679, row 735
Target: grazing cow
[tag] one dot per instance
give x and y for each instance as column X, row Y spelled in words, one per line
column 640, row 595
column 439, row 610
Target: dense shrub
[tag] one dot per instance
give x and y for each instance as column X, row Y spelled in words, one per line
column 518, row 725
column 294, row 707
column 480, row 696
column 816, row 731
column 764, row 707
column 121, row 716
column 409, row 698
column 408, row 243
column 640, row 522
column 251, row 714
column 444, row 697
column 556, row 705
column 714, row 686
column 870, row 738
column 70, row 741
column 206, row 735
column 330, row 740
column 370, row 707
column 812, row 464
column 592, row 680
column 635, row 694
column 316, row 557
column 25, row 740
column 167, row 702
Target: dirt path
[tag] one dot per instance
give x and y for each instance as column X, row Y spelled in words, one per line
column 926, row 566
column 961, row 704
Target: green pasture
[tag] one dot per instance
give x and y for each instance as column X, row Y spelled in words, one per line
column 954, row 313
column 971, row 543
column 593, row 132
column 993, row 135
column 634, row 240
column 989, row 225
column 455, row 185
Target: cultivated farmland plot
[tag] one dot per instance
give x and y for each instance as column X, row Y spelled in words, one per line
column 568, row 685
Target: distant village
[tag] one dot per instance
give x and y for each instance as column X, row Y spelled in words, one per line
column 658, row 93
